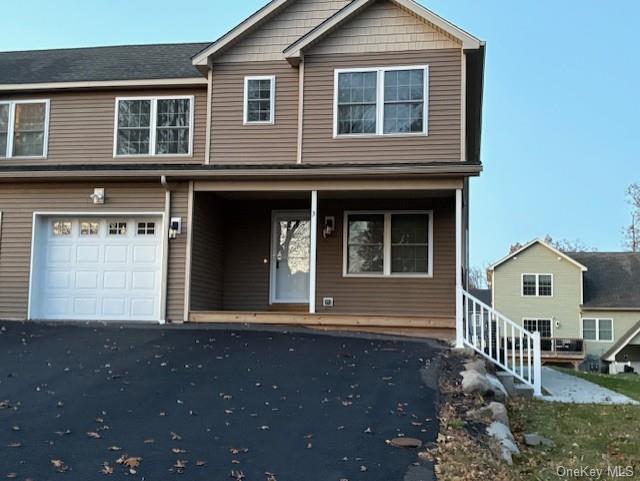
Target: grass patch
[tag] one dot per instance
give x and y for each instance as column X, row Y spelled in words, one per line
column 585, row 435
column 627, row 384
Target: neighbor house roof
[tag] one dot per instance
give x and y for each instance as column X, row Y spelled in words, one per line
column 483, row 295
column 99, row 64
column 564, row 255
column 629, row 336
column 612, row 279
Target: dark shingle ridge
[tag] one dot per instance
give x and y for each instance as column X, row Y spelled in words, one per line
column 103, row 63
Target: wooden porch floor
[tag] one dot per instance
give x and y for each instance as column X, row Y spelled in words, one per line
column 436, row 328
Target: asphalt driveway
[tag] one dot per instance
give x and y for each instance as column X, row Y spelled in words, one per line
column 211, row 404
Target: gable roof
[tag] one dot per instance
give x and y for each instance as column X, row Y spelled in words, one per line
column 629, row 336
column 244, row 27
column 294, row 51
column 354, row 7
column 98, row 64
column 612, row 279
column 544, row 244
column 483, row 295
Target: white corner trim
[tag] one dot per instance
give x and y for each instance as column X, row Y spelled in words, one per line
column 103, row 84
column 272, row 100
column 612, row 356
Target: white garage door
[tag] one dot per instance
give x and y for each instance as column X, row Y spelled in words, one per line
column 97, row 268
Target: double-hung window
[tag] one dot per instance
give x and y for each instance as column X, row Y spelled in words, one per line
column 543, row 326
column 597, row 330
column 398, row 243
column 259, row 100
column 24, row 128
column 381, row 101
column 537, row 285
column 154, row 126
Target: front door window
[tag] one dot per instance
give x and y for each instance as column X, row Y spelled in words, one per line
column 290, row 258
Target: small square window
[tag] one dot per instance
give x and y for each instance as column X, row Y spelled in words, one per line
column 89, row 228
column 146, row 228
column 117, row 228
column 61, row 228
column 589, row 331
column 605, row 330
column 259, row 100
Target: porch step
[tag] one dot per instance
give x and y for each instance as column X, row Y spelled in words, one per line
column 514, row 387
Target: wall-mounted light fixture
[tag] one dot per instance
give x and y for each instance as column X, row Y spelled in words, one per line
column 329, row 227
column 98, row 195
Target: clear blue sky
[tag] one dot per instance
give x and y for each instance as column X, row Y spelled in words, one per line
column 561, row 129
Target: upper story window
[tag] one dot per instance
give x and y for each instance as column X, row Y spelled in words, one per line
column 388, row 243
column 381, row 101
column 259, row 100
column 537, row 285
column 154, row 126
column 24, row 128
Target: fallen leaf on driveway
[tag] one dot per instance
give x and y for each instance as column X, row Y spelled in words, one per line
column 93, row 435
column 237, row 475
column 178, row 450
column 132, row 462
column 106, row 469
column 271, row 477
column 12, row 475
column 114, row 448
column 59, row 465
column 14, row 445
column 149, row 441
column 175, row 437
column 200, row 463
column 405, row 443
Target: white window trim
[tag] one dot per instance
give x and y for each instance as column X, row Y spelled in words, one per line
column 597, row 339
column 11, row 128
column 386, row 246
column 537, row 276
column 153, row 126
column 380, row 102
column 538, row 319
column 272, row 100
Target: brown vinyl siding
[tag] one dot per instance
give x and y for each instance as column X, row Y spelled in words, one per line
column 428, row 297
column 19, row 201
column 231, row 140
column 443, row 140
column 177, row 253
column 81, row 126
column 207, row 254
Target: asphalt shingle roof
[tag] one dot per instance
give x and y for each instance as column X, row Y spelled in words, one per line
column 612, row 278
column 483, row 295
column 130, row 62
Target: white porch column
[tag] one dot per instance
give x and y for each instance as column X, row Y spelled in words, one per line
column 459, row 301
column 313, row 255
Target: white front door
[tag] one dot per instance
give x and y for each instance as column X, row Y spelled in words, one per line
column 90, row 268
column 290, row 257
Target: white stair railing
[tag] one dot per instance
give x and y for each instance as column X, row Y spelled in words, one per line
column 502, row 341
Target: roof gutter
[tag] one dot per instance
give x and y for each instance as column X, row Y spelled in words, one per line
column 198, row 173
column 103, row 84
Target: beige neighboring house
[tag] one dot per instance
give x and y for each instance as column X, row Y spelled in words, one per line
column 311, row 166
column 585, row 305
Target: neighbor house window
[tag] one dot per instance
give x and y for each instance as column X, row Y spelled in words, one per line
column 537, row 285
column 388, row 243
column 24, row 128
column 259, row 100
column 597, row 330
column 154, row 126
column 381, row 101
column 543, row 326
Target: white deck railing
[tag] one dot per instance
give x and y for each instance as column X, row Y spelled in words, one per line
column 502, row 341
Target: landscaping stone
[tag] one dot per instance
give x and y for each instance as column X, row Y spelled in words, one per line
column 485, row 384
column 476, row 365
column 406, row 443
column 495, row 411
column 503, row 436
column 535, row 439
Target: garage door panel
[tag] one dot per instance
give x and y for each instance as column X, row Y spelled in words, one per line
column 85, row 272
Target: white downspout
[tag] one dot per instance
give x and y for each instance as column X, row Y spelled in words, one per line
column 165, row 248
column 313, row 258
